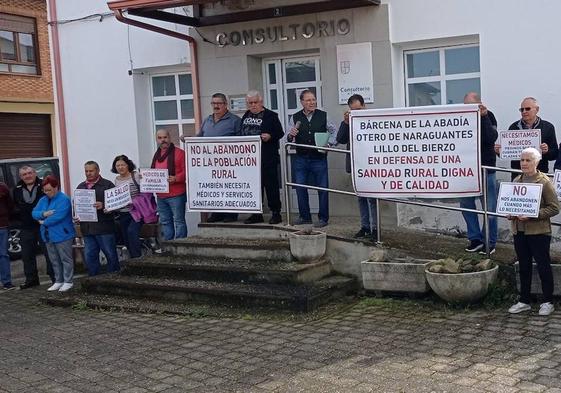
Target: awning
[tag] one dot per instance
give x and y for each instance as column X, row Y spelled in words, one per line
column 154, row 9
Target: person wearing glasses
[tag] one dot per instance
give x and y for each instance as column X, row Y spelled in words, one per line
column 222, row 122
column 549, row 150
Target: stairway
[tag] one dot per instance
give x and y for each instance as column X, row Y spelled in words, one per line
column 253, row 274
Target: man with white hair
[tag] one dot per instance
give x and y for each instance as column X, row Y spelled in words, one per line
column 261, row 121
column 529, row 109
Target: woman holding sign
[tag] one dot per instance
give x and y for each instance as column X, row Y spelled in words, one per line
column 130, row 228
column 532, row 236
column 54, row 213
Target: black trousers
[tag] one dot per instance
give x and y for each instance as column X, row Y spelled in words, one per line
column 270, row 182
column 536, row 247
column 29, row 239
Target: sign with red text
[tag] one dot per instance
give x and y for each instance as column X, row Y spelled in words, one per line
column 519, row 199
column 154, row 180
column 514, row 141
column 419, row 152
column 224, row 174
column 117, row 197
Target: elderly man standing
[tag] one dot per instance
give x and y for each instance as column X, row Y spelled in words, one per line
column 259, row 120
column 99, row 235
column 6, row 208
column 221, row 123
column 529, row 109
column 26, row 195
column 489, row 135
column 311, row 163
column 171, row 205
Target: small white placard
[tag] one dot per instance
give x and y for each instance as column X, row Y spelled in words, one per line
column 154, row 180
column 557, row 183
column 354, row 71
column 514, row 141
column 117, row 197
column 519, row 199
column 84, row 205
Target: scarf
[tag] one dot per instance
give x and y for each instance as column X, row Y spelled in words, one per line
column 169, row 154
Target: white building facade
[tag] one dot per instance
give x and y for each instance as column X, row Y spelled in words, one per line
column 422, row 53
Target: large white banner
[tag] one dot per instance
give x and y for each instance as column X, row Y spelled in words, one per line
column 420, row 152
column 354, row 73
column 224, row 174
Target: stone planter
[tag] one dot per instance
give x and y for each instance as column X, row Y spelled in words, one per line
column 307, row 247
column 399, row 275
column 536, row 282
column 461, row 287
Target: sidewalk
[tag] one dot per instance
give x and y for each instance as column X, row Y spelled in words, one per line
column 378, row 345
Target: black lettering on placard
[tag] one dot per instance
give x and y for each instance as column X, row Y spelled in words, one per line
column 519, row 190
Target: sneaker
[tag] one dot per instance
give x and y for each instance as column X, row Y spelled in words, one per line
column 65, row 287
column 301, row 221
column 546, row 309
column 491, row 251
column 320, row 224
column 362, row 233
column 26, row 285
column 55, row 287
column 475, row 245
column 275, row 219
column 9, row 287
column 519, row 307
column 254, row 219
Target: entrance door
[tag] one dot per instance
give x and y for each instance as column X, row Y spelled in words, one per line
column 285, row 79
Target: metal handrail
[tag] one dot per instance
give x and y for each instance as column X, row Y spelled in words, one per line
column 484, row 212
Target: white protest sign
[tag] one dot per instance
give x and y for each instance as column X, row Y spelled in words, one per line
column 154, row 180
column 519, row 199
column 117, row 197
column 224, row 174
column 422, row 152
column 557, row 183
column 84, row 209
column 514, row 141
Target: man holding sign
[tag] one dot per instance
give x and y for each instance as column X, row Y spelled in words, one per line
column 171, row 205
column 532, row 235
column 529, row 120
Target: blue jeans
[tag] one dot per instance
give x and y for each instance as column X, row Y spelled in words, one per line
column 172, row 217
column 472, row 219
column 61, row 258
column 105, row 243
column 130, row 230
column 367, row 208
column 5, row 272
column 311, row 171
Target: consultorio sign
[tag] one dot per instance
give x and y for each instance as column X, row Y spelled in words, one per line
column 291, row 32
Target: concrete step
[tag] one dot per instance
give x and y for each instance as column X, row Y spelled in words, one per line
column 227, row 269
column 297, row 298
column 271, row 249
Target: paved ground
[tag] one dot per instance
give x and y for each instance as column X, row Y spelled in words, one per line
column 375, row 346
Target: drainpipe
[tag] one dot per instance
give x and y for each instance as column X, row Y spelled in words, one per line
column 59, row 96
column 194, row 58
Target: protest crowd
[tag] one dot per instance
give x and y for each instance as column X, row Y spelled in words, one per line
column 50, row 219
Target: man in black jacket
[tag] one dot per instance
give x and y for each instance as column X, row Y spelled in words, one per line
column 488, row 158
column 259, row 120
column 26, row 195
column 530, row 120
column 99, row 235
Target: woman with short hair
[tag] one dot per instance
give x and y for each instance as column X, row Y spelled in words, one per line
column 532, row 236
column 54, row 214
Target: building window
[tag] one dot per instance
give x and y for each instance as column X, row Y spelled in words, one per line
column 18, row 45
column 441, row 76
column 173, row 110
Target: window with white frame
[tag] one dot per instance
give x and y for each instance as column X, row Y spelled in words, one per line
column 172, row 109
column 440, row 76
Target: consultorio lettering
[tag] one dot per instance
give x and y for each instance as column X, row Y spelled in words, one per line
column 293, row 31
